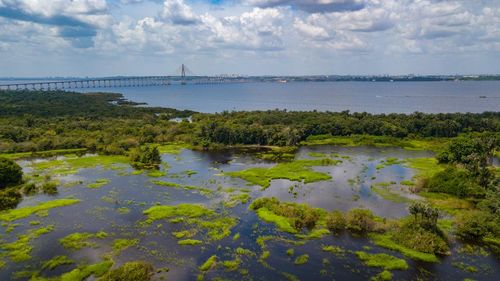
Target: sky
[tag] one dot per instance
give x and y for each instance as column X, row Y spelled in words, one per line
column 249, row 37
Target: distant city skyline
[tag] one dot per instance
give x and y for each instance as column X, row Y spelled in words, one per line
column 249, row 37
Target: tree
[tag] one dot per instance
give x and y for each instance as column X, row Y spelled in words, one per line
column 10, row 173
column 146, row 157
column 475, row 154
column 424, row 214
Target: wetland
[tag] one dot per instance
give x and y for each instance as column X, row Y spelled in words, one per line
column 245, row 195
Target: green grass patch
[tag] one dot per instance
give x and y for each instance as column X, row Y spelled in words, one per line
column 71, row 165
column 202, row 190
column 407, row 183
column 43, row 154
column 190, row 242
column 209, row 263
column 302, row 259
column 446, row 202
column 156, row 173
column 57, row 261
column 231, row 265
column 384, row 240
column 217, row 226
column 387, row 194
column 16, row 214
column 333, row 249
column 235, row 199
column 79, row 240
column 122, row 244
column 434, row 144
column 384, row 261
column 98, row 183
column 426, row 167
column 83, row 272
column 298, row 170
column 291, row 217
column 385, row 275
column 20, row 250
column 172, row 148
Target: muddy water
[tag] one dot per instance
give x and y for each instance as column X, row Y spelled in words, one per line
column 349, row 188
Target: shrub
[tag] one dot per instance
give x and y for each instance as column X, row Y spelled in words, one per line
column 137, row 271
column 412, row 235
column 10, row 173
column 291, row 216
column 49, row 187
column 475, row 225
column 30, row 188
column 9, row 198
column 360, row 220
column 454, row 181
column 335, row 221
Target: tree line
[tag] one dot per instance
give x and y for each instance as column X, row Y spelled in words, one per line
column 106, row 123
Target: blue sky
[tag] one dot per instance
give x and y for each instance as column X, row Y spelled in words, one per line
column 253, row 37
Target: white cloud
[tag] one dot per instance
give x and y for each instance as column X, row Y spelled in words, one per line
column 178, row 12
column 275, row 28
column 257, row 29
column 310, row 30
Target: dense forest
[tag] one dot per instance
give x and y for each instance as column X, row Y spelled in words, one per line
column 106, row 123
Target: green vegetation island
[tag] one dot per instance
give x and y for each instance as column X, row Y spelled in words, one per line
column 96, row 187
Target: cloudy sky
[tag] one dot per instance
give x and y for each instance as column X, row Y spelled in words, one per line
column 298, row 37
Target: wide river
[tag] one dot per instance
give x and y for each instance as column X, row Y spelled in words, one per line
column 373, row 97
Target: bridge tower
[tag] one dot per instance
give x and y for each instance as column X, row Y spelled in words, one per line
column 183, row 75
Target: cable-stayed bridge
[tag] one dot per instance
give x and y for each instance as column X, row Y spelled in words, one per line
column 183, row 76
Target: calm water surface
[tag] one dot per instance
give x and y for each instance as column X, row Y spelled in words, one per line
column 374, row 97
column 348, row 188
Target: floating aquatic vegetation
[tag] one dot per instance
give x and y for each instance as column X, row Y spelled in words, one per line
column 231, row 265
column 302, row 259
column 98, row 183
column 71, row 165
column 202, row 190
column 383, row 190
column 190, row 242
column 465, row 267
column 206, row 266
column 235, row 199
column 384, row 261
column 338, row 251
column 84, row 271
column 57, row 261
column 122, row 244
column 123, row 210
column 298, row 170
column 156, row 173
column 79, row 240
column 20, row 250
column 384, row 240
column 136, row 271
column 217, row 226
column 184, row 234
column 385, row 275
